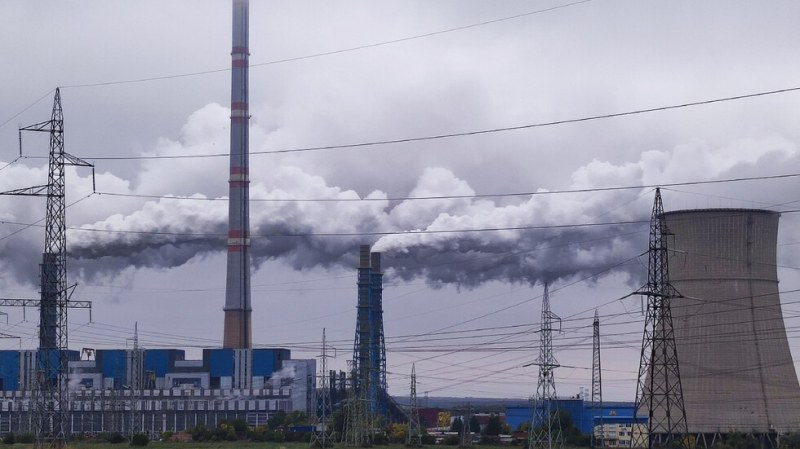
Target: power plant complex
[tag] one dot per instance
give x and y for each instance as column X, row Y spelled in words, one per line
column 715, row 356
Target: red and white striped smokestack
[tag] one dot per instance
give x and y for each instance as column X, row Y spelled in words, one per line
column 237, row 332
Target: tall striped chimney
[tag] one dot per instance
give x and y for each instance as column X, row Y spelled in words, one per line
column 237, row 332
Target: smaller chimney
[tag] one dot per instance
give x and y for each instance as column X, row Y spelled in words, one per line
column 363, row 260
column 376, row 262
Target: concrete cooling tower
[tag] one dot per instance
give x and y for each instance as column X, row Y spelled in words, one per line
column 736, row 369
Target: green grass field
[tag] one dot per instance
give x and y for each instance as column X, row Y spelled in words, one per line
column 222, row 445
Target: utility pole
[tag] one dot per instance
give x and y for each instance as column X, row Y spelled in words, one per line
column 323, row 432
column 414, row 433
column 545, row 427
column 51, row 394
column 658, row 391
column 598, row 432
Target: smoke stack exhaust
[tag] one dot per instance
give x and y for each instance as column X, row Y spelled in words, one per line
column 237, row 332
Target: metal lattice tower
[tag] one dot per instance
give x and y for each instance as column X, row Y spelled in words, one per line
column 323, row 433
column 369, row 348
column 377, row 350
column 51, row 394
column 545, row 428
column 414, row 433
column 466, row 430
column 136, row 376
column 597, row 386
column 358, row 419
column 658, row 391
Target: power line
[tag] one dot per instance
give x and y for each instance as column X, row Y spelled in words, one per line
column 46, row 95
column 346, row 234
column 472, row 196
column 460, row 134
column 330, row 53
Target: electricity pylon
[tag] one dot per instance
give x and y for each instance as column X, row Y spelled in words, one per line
column 358, row 430
column 51, row 394
column 658, row 390
column 137, row 372
column 323, row 436
column 544, row 431
column 597, row 387
column 414, row 432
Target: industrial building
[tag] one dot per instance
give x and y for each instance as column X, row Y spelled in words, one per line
column 736, row 369
column 176, row 393
column 614, row 418
column 580, row 411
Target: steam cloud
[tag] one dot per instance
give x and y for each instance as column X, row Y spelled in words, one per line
column 166, row 233
column 295, row 232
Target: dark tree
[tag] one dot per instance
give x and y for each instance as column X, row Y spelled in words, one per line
column 474, row 424
column 494, row 427
column 457, row 425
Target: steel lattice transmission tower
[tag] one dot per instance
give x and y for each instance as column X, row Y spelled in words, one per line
column 51, row 393
column 358, row 430
column 545, row 427
column 414, row 432
column 323, row 433
column 597, row 386
column 466, row 429
column 136, row 374
column 658, row 391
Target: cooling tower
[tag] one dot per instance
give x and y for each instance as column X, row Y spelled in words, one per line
column 736, row 369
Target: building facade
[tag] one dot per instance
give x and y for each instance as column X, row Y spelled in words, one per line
column 167, row 392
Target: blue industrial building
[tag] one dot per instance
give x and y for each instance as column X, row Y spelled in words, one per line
column 160, row 390
column 581, row 412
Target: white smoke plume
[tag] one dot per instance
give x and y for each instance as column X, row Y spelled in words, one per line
column 164, row 233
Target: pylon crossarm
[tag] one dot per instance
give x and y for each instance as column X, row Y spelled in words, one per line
column 76, row 161
column 27, row 191
column 44, row 126
column 17, row 302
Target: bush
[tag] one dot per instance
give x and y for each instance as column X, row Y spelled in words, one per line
column 113, row 438
column 452, row 440
column 380, row 438
column 165, row 435
column 25, row 438
column 140, row 439
column 9, row 438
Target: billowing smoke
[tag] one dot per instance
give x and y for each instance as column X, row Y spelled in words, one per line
column 325, row 233
column 521, row 239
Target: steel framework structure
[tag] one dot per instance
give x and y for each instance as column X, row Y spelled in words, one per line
column 597, row 386
column 323, row 436
column 358, row 429
column 658, row 390
column 51, row 395
column 544, row 431
column 414, row 432
column 136, row 386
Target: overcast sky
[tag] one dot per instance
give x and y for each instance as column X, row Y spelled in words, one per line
column 584, row 59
